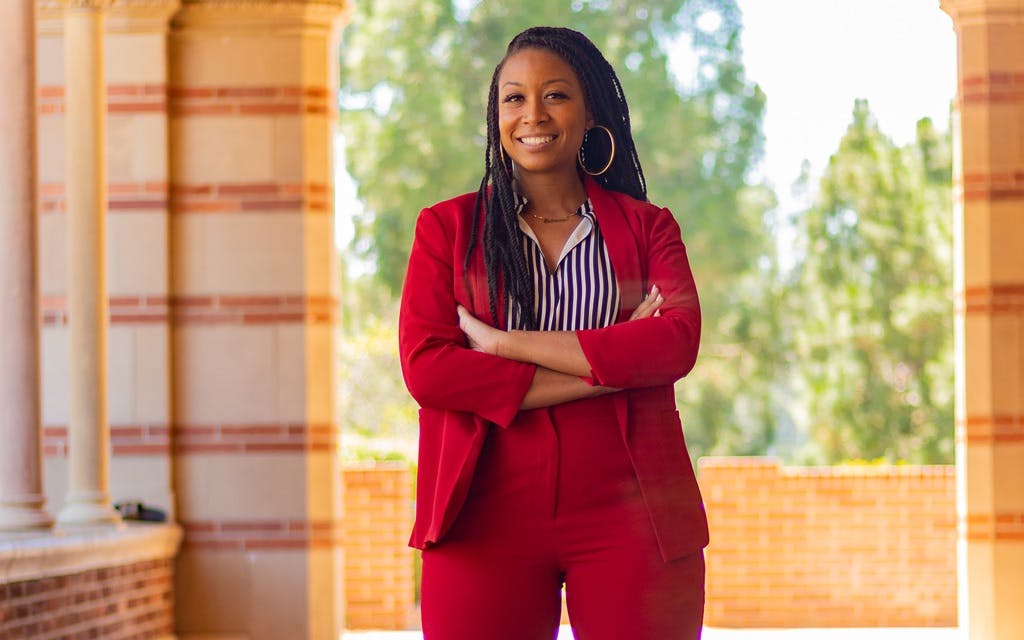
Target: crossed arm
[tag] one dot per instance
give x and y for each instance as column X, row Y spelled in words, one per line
column 537, row 369
column 561, row 363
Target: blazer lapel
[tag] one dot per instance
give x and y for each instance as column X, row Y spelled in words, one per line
column 623, row 248
column 624, row 251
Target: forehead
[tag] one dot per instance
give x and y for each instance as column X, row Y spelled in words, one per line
column 536, row 65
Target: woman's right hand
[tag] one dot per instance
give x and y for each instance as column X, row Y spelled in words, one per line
column 649, row 306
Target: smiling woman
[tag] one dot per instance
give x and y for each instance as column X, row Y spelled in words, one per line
column 542, row 116
column 544, row 320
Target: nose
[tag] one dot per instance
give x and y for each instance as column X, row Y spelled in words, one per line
column 536, row 111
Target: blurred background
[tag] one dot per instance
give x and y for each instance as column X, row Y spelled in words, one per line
column 803, row 146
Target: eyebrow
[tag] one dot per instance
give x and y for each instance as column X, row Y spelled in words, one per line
column 519, row 84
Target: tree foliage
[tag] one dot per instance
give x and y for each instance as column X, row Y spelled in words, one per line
column 414, row 89
column 873, row 315
column 413, row 96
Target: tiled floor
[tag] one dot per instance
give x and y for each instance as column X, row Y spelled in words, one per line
column 738, row 634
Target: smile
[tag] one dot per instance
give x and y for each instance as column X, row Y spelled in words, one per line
column 535, row 141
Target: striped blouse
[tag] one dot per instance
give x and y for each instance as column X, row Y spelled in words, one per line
column 581, row 293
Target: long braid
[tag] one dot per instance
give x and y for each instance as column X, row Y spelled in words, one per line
column 503, row 255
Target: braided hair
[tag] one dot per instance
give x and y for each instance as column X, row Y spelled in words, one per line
column 606, row 102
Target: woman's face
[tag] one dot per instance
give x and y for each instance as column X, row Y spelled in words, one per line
column 542, row 115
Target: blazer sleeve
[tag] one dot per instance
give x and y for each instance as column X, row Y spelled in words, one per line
column 657, row 350
column 440, row 370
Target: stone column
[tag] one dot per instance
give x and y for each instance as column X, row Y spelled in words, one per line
column 257, row 474
column 21, row 498
column 989, row 323
column 88, row 499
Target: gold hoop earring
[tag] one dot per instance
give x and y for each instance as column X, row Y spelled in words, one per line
column 611, row 154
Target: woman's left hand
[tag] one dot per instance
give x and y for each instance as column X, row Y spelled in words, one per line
column 482, row 336
column 650, row 306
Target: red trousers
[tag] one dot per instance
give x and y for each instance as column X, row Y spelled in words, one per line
column 555, row 501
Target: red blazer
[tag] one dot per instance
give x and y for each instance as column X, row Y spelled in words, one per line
column 464, row 392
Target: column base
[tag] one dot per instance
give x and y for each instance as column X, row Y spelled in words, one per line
column 88, row 510
column 24, row 517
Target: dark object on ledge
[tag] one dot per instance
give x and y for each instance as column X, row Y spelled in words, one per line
column 134, row 510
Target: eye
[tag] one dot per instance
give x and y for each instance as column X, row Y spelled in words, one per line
column 512, row 97
column 556, row 95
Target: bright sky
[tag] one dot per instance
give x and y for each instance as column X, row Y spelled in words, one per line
column 813, row 58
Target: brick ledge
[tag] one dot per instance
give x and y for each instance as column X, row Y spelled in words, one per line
column 61, row 553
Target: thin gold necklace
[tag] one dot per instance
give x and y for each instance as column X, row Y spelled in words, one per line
column 550, row 220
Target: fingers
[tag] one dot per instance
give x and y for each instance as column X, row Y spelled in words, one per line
column 465, row 317
column 649, row 306
column 466, row 324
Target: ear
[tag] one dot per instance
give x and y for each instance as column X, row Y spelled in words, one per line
column 590, row 119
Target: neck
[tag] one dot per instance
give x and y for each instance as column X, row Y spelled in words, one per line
column 552, row 192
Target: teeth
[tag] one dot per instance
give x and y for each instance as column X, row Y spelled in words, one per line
column 537, row 139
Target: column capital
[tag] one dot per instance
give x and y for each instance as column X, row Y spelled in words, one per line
column 987, row 11
column 263, row 15
column 51, row 12
column 94, row 5
column 121, row 16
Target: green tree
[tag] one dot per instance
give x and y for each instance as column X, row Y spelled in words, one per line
column 874, row 330
column 413, row 95
column 380, row 418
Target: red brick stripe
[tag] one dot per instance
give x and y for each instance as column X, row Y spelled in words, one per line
column 988, row 430
column 255, row 438
column 993, row 187
column 246, row 197
column 290, row 100
column 251, row 197
column 123, row 310
column 997, row 299
column 122, row 99
column 261, row 535
column 992, row 88
column 125, row 440
column 219, row 309
column 122, row 197
column 1001, row 526
column 225, row 309
column 156, row 439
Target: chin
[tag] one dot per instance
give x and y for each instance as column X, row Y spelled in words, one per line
column 538, row 167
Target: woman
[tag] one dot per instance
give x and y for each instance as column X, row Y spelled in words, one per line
column 550, row 448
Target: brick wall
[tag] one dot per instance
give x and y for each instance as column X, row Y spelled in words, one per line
column 379, row 582
column 856, row 546
column 831, row 546
column 115, row 603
